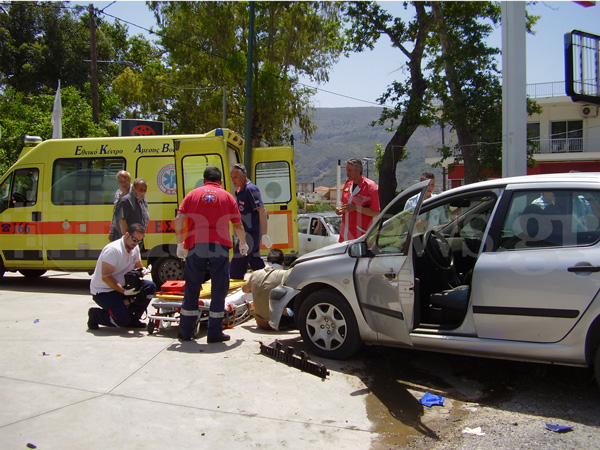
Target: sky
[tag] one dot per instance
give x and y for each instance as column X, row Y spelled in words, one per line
column 361, row 78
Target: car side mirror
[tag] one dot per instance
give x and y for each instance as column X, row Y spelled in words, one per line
column 358, row 249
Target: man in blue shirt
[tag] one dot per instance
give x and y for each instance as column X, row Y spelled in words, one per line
column 254, row 218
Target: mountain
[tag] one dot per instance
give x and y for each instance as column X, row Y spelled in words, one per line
column 344, row 133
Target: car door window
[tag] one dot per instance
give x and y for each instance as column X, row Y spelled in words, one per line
column 315, row 227
column 334, row 224
column 557, row 218
column 5, row 193
column 464, row 218
column 392, row 236
column 303, row 225
column 25, row 188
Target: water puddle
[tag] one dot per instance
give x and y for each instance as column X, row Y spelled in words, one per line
column 397, row 379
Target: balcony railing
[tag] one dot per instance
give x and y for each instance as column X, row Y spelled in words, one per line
column 565, row 145
column 552, row 89
column 543, row 146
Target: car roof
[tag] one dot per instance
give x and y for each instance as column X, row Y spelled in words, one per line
column 559, row 178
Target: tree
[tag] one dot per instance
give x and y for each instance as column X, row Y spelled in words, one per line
column 42, row 42
column 22, row 114
column 451, row 64
column 466, row 77
column 206, row 45
column 411, row 97
column 468, row 82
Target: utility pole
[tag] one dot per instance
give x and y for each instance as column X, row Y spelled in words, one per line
column 94, row 69
column 249, row 72
column 514, row 89
column 224, row 107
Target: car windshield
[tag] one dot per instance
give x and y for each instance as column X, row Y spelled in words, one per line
column 334, row 223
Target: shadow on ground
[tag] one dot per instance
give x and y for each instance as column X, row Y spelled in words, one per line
column 50, row 284
column 393, row 376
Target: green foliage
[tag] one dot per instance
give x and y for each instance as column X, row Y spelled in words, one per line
column 411, row 97
column 379, row 151
column 319, row 206
column 206, row 48
column 42, row 42
column 458, row 68
column 21, row 114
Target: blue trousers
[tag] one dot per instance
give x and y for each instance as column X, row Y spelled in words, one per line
column 239, row 263
column 115, row 313
column 217, row 257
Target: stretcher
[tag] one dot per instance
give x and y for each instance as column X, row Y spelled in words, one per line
column 168, row 301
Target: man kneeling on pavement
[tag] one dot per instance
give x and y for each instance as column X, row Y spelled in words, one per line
column 120, row 306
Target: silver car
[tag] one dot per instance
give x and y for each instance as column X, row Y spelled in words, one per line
column 507, row 268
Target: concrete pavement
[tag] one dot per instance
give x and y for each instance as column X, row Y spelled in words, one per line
column 65, row 387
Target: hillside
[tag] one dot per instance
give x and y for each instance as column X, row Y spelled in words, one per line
column 343, row 133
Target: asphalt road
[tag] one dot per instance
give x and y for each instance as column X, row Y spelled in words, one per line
column 509, row 403
column 370, row 401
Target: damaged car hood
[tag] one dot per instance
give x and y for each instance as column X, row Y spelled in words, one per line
column 333, row 249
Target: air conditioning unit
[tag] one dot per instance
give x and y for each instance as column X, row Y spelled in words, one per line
column 589, row 111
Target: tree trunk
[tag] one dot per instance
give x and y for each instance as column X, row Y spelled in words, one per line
column 411, row 118
column 394, row 152
column 466, row 141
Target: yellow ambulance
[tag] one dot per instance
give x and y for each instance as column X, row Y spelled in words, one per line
column 56, row 201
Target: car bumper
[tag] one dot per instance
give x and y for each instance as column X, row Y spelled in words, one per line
column 279, row 299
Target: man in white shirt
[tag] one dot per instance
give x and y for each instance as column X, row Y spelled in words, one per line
column 119, row 306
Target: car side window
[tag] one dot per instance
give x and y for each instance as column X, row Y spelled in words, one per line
column 315, row 227
column 25, row 188
column 334, row 224
column 392, row 236
column 5, row 199
column 553, row 218
column 303, row 225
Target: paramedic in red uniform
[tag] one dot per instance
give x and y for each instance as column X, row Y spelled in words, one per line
column 209, row 210
column 359, row 202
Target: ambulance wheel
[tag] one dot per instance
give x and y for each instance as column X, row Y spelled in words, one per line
column 2, row 268
column 32, row 273
column 165, row 269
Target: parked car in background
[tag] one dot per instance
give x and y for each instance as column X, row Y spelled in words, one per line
column 317, row 230
column 506, row 268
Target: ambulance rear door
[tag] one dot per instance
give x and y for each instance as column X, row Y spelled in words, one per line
column 193, row 156
column 274, row 173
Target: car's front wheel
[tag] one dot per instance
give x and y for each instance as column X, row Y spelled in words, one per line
column 328, row 326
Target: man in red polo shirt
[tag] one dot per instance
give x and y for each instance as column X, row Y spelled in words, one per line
column 359, row 202
column 209, row 209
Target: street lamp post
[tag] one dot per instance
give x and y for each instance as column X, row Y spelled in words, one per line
column 366, row 161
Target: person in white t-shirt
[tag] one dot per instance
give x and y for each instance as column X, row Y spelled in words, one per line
column 119, row 306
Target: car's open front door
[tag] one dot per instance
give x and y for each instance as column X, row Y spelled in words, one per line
column 384, row 277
